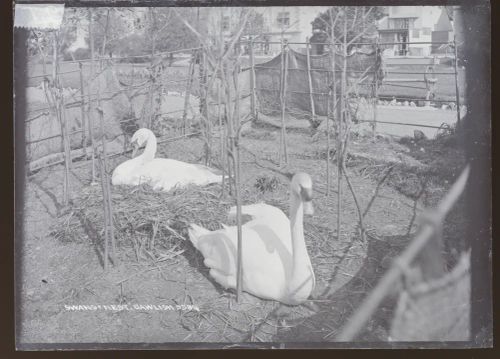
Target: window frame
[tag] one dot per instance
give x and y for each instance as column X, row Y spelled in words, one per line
column 283, row 15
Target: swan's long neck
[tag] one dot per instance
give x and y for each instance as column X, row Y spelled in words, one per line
column 150, row 150
column 302, row 276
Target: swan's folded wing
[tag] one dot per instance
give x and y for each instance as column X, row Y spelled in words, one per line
column 220, row 250
column 254, row 211
column 167, row 173
column 206, row 169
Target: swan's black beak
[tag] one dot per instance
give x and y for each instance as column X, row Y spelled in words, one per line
column 306, row 194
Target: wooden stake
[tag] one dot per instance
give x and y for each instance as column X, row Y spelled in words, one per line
column 253, row 102
column 309, row 78
column 105, row 209
column 105, row 38
column 208, row 148
column 375, row 89
column 82, row 112
column 339, row 114
column 457, row 92
column 92, row 74
column 284, row 74
column 342, row 119
column 67, row 148
column 221, row 135
column 187, row 95
column 54, row 59
column 59, row 106
column 105, row 181
column 237, row 170
column 328, row 115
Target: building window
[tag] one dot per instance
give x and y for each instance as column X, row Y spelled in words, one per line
column 426, row 31
column 415, row 34
column 402, row 23
column 283, row 18
column 225, row 23
column 416, row 51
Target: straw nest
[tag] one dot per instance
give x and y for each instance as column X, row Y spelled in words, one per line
column 144, row 219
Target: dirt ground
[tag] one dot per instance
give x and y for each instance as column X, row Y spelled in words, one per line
column 58, row 273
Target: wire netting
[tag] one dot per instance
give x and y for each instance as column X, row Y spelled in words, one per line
column 363, row 66
column 438, row 310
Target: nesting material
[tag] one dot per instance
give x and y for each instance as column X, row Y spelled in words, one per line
column 142, row 217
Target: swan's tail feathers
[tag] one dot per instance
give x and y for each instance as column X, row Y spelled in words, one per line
column 195, row 232
column 216, row 178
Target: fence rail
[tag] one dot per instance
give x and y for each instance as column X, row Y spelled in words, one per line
column 103, row 58
column 79, row 100
column 451, row 43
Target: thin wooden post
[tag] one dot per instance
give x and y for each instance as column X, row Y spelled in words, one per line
column 221, row 135
column 335, row 109
column 92, row 74
column 187, row 95
column 328, row 116
column 230, row 177
column 231, row 151
column 284, row 75
column 105, row 209
column 253, row 102
column 237, row 171
column 150, row 99
column 104, row 39
column 110, row 219
column 309, row 79
column 159, row 88
column 208, row 148
column 54, row 59
column 105, row 182
column 59, row 105
column 375, row 89
column 341, row 115
column 67, row 148
column 82, row 112
column 201, row 76
column 457, row 92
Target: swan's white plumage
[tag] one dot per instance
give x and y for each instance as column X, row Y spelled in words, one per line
column 161, row 173
column 270, row 270
column 165, row 174
column 124, row 174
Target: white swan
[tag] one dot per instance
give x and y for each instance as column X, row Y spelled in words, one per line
column 161, row 173
column 276, row 264
column 126, row 172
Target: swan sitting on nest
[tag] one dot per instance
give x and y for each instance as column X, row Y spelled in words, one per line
column 161, row 173
column 276, row 264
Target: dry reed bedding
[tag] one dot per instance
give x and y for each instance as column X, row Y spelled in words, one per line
column 141, row 211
